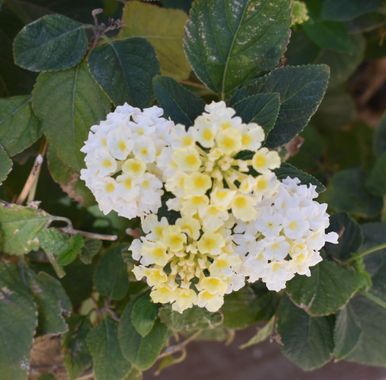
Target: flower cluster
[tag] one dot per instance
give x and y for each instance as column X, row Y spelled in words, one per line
column 121, row 155
column 237, row 222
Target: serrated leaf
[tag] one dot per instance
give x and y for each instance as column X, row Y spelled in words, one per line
column 262, row 109
column 370, row 349
column 69, row 180
column 165, row 32
column 288, row 170
column 380, row 137
column 344, row 10
column 190, row 320
column 301, row 90
column 180, row 104
column 19, row 227
column 52, row 302
column 347, row 332
column 111, row 277
column 19, row 127
column 18, row 320
column 140, row 351
column 262, row 334
column 125, row 70
column 77, row 357
column 346, row 192
column 109, row 363
column 54, row 42
column 144, row 315
column 329, row 288
column 5, row 164
column 68, row 103
column 350, row 236
column 307, row 341
column 229, row 42
column 376, row 181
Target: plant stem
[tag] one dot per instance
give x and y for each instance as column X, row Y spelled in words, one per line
column 366, row 252
column 90, row 235
column 178, row 347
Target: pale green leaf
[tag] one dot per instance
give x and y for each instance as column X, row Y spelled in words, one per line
column 262, row 334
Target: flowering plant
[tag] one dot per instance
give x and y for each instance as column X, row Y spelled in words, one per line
column 169, row 197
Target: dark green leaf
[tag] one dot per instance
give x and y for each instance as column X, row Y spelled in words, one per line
column 380, row 137
column 90, row 249
column 327, row 290
column 76, row 354
column 376, row 182
column 69, row 103
column 350, row 236
column 111, row 276
column 102, row 341
column 180, row 104
column 262, row 109
column 144, row 315
column 347, row 332
column 19, row 128
column 5, row 164
column 54, row 42
column 52, row 302
column 140, row 351
column 288, row 170
column 125, row 70
column 179, row 4
column 301, row 90
column 191, row 320
column 229, row 42
column 370, row 317
column 19, row 227
column 344, row 10
column 346, row 192
column 329, row 35
column 307, row 341
column 18, row 320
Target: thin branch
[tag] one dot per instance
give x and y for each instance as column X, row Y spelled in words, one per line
column 90, row 235
column 366, row 252
column 31, row 183
column 179, row 347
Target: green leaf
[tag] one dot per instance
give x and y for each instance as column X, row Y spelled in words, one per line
column 109, row 363
column 262, row 334
column 262, row 109
column 180, row 104
column 329, row 288
column 247, row 306
column 376, row 182
column 288, row 170
column 65, row 248
column 125, row 70
column 350, row 236
column 68, row 103
column 229, row 41
column 165, row 32
column 5, row 165
column 346, row 192
column 140, row 351
column 190, row 320
column 380, row 137
column 52, row 302
column 329, row 35
column 301, row 90
column 69, row 180
column 77, row 357
column 18, row 320
column 370, row 317
column 347, row 332
column 19, row 227
column 144, row 315
column 177, row 4
column 90, row 249
column 307, row 341
column 54, row 42
column 19, row 127
column 344, row 10
column 111, row 277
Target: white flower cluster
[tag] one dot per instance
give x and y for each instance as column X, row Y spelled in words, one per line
column 286, row 236
column 236, row 224
column 121, row 156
